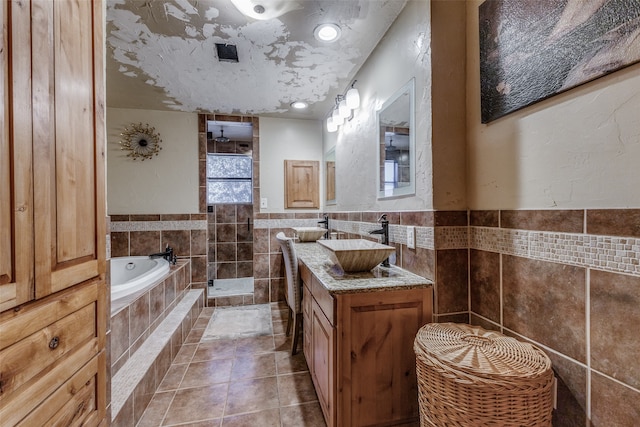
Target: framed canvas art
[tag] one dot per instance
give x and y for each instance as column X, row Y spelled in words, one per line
column 533, row 49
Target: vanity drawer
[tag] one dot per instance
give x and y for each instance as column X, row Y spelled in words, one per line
column 324, row 299
column 305, row 273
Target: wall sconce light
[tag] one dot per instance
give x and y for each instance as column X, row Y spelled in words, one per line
column 343, row 109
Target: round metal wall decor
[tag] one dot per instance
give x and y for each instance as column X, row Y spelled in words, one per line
column 141, row 141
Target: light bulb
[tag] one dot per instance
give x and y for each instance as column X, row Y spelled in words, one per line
column 343, row 110
column 337, row 118
column 353, row 98
column 331, row 126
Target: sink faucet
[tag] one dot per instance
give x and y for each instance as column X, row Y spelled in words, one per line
column 384, row 232
column 167, row 254
column 325, row 222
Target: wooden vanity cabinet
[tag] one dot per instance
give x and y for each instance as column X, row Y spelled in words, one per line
column 360, row 352
column 53, row 313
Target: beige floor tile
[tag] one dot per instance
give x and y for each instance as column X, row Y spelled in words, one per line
column 253, row 366
column 194, row 336
column 279, row 326
column 296, row 388
column 196, row 404
column 190, row 394
column 306, row 414
column 201, row 323
column 207, row 373
column 185, row 354
column 214, row 349
column 260, row 344
column 173, row 377
column 156, row 409
column 252, row 395
column 266, row 418
column 207, row 423
column 286, row 363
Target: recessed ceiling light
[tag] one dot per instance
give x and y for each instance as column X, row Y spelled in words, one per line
column 327, row 32
column 299, row 105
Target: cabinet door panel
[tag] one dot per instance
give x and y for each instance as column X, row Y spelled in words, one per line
column 16, row 197
column 68, row 196
column 378, row 330
column 301, row 185
column 323, row 362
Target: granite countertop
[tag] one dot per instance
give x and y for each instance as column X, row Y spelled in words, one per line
column 337, row 282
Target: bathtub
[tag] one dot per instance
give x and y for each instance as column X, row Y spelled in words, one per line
column 132, row 274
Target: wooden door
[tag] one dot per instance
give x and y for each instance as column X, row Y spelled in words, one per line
column 301, row 184
column 68, row 99
column 323, row 362
column 16, row 195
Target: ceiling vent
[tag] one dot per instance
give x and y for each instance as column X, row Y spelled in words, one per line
column 227, row 52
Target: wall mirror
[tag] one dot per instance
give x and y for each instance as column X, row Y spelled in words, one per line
column 396, row 144
column 330, row 174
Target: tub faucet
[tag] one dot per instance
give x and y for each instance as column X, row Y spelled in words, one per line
column 167, row 254
column 325, row 222
column 384, row 232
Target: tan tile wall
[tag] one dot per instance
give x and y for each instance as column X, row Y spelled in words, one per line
column 132, row 324
column 133, row 235
column 568, row 280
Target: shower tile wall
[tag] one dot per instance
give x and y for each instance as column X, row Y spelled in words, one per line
column 230, row 228
column 230, row 241
column 135, row 235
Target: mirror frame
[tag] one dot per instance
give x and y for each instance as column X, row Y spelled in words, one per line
column 410, row 189
column 329, row 156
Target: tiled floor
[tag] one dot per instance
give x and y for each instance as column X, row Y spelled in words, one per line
column 243, row 382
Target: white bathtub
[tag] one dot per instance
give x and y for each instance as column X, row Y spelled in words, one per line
column 132, row 274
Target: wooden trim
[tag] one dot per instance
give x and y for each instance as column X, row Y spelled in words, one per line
column 16, row 158
column 43, row 142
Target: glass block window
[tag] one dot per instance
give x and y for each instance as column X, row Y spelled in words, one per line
column 229, row 178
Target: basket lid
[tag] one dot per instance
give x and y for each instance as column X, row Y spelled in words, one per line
column 479, row 351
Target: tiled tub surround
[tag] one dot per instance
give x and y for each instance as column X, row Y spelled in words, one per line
column 135, row 384
column 133, row 322
column 568, row 280
column 133, row 235
column 145, row 336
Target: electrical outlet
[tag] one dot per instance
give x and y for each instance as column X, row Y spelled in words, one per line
column 263, row 203
column 411, row 237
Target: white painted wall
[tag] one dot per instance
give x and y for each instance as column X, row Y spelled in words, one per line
column 286, row 139
column 403, row 53
column 165, row 184
column 579, row 149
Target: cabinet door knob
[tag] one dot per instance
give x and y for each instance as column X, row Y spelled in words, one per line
column 54, row 343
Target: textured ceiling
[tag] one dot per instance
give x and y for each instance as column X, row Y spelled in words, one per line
column 161, row 55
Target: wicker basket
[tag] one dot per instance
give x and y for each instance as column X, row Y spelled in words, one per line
column 468, row 376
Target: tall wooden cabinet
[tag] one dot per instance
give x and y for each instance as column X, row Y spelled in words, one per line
column 52, row 213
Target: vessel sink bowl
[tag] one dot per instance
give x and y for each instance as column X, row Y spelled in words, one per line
column 354, row 255
column 309, row 234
